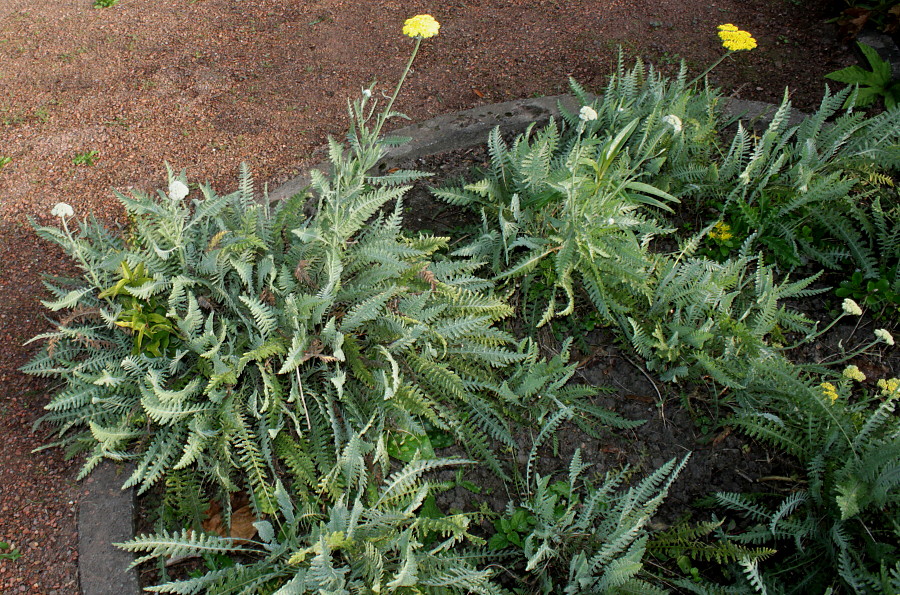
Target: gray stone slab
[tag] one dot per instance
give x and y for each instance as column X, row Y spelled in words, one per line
column 469, row 128
column 757, row 114
column 106, row 516
column 450, row 132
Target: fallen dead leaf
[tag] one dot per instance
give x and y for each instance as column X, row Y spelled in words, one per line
column 852, row 21
column 892, row 22
column 242, row 519
column 722, row 436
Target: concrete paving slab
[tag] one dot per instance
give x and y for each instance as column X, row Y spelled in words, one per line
column 450, row 132
column 106, row 516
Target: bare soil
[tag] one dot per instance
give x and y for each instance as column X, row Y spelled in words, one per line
column 98, row 99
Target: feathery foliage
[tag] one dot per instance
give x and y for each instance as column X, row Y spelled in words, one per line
column 369, row 536
column 840, row 530
column 227, row 344
column 587, row 538
column 797, row 188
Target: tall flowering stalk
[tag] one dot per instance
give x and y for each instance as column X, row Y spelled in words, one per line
column 65, row 212
column 733, row 40
column 418, row 27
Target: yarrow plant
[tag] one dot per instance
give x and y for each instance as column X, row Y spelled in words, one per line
column 178, row 190
column 224, row 344
column 721, row 232
column 829, row 390
column 853, row 373
column 889, row 386
column 587, row 114
column 884, row 335
column 418, row 27
column 673, row 121
column 62, row 210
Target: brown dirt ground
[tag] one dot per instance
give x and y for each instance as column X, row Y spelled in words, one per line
column 208, row 84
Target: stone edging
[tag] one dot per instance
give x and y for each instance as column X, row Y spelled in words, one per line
column 469, row 128
column 106, row 516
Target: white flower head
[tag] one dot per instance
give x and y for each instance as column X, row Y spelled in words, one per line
column 177, row 190
column 587, row 114
column 882, row 334
column 611, row 221
column 367, row 93
column 852, row 308
column 62, row 210
column 673, row 121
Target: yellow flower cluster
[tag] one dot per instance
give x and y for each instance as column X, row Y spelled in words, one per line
column 889, row 387
column 735, row 40
column 721, row 232
column 853, row 373
column 829, row 391
column 422, row 25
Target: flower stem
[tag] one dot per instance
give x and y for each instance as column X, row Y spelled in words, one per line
column 384, row 115
column 76, row 251
column 708, row 70
column 814, row 334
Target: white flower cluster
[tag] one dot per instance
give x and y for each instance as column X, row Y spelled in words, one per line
column 850, row 307
column 673, row 121
column 882, row 334
column 587, row 114
column 177, row 190
column 62, row 210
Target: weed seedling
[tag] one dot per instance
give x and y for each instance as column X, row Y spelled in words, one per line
column 7, row 552
column 89, row 158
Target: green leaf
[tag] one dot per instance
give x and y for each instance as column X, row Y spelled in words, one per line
column 648, row 189
column 848, row 498
column 880, row 68
column 853, row 75
column 498, row 541
column 403, row 447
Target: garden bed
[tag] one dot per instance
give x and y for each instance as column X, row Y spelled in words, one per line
column 679, row 418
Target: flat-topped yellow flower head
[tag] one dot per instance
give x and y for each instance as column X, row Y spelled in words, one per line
column 422, row 25
column 889, row 386
column 721, row 231
column 854, row 373
column 735, row 40
column 830, row 391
